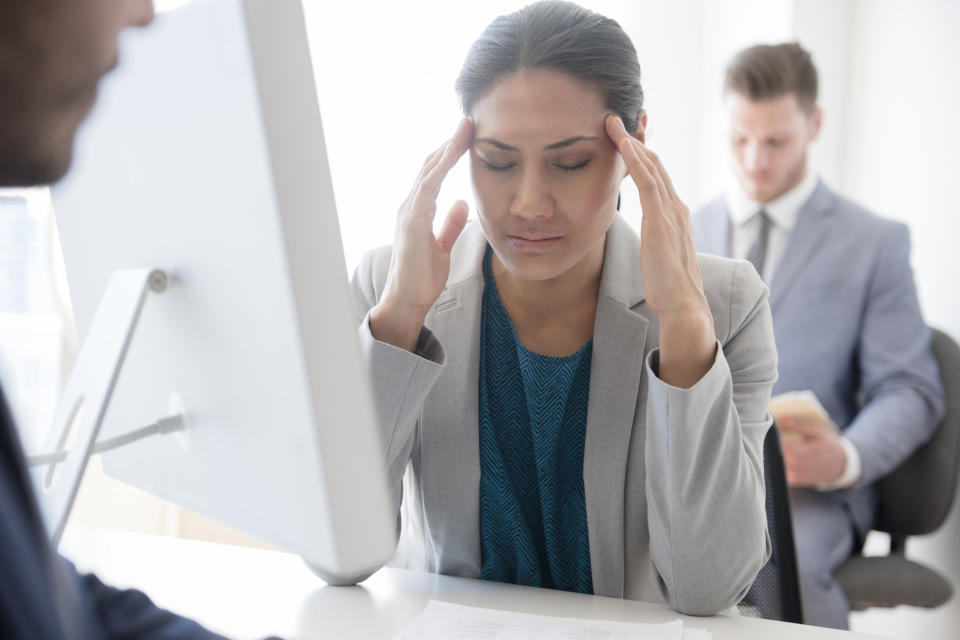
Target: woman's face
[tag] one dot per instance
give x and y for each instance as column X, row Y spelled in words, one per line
column 545, row 174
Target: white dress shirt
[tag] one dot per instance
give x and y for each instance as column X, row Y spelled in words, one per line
column 783, row 212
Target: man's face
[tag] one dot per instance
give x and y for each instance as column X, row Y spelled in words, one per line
column 769, row 140
column 52, row 55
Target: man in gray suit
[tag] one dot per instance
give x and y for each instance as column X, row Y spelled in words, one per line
column 846, row 317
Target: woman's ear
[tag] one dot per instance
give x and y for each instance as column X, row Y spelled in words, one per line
column 641, row 133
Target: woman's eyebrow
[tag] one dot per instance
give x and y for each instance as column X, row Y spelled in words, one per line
column 569, row 141
column 495, row 143
column 556, row 145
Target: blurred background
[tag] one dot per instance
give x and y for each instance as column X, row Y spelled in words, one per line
column 385, row 73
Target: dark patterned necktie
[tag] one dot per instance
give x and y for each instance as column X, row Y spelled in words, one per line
column 758, row 250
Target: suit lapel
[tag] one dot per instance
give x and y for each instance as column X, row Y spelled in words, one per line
column 616, row 369
column 814, row 225
column 449, row 443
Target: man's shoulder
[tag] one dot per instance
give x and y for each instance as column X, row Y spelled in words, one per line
column 862, row 234
column 850, row 211
column 856, row 217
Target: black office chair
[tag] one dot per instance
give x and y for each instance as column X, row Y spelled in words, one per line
column 775, row 594
column 915, row 499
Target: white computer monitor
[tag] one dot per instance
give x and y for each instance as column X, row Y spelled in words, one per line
column 204, row 157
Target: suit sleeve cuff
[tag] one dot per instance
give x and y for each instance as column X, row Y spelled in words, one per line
column 851, row 472
column 709, row 383
column 428, row 348
column 401, row 380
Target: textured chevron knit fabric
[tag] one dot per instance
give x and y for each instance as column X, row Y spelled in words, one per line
column 533, row 417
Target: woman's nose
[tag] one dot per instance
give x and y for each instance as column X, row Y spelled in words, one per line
column 532, row 199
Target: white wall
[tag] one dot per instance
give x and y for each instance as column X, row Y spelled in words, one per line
column 903, row 135
column 901, row 140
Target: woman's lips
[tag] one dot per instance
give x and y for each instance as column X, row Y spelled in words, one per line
column 534, row 242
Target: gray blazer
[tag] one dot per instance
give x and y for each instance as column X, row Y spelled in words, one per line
column 673, row 477
column 848, row 327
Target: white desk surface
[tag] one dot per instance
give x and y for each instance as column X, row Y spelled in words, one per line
column 252, row 593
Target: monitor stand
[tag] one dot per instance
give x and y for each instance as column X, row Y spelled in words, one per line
column 83, row 404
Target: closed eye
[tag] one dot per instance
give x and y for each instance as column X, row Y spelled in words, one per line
column 575, row 167
column 498, row 167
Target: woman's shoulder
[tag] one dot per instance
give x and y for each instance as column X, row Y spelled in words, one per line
column 733, row 290
column 466, row 262
column 372, row 270
column 726, row 276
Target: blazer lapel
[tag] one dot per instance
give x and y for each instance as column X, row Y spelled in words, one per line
column 616, row 370
column 814, row 225
column 449, row 440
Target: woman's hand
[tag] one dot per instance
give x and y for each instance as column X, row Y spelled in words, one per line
column 420, row 262
column 672, row 282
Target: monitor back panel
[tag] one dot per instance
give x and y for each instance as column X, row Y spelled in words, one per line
column 204, row 156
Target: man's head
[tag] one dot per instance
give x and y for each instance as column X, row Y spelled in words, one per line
column 770, row 93
column 52, row 55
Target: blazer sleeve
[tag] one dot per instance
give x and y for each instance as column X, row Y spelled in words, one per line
column 704, row 458
column 401, row 380
column 899, row 379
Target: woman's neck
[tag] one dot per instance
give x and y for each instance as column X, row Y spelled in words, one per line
column 561, row 306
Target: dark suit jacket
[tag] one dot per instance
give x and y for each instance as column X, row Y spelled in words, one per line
column 42, row 597
column 848, row 327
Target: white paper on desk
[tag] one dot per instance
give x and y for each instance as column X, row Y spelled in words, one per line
column 445, row 621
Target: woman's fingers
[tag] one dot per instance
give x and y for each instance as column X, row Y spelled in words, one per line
column 654, row 181
column 420, row 262
column 463, row 135
column 668, row 183
column 430, row 162
column 642, row 169
column 455, row 222
column 451, row 152
column 622, row 141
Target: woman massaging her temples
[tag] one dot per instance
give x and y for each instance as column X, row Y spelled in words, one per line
column 564, row 405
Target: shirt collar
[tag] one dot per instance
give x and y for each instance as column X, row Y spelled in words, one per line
column 783, row 210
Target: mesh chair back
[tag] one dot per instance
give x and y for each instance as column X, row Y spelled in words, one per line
column 916, row 497
column 775, row 593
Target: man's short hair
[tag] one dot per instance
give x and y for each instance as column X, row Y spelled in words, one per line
column 768, row 71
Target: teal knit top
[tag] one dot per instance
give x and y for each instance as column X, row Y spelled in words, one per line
column 533, row 418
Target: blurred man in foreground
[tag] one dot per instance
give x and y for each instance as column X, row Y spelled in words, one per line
column 52, row 55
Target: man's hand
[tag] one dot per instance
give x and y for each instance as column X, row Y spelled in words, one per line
column 817, row 457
